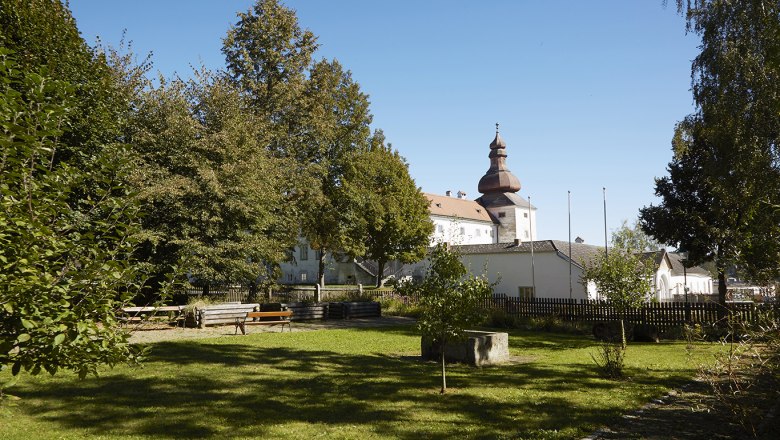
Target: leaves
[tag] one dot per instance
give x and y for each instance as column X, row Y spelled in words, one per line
column 726, row 165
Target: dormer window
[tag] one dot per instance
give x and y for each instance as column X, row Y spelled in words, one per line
column 438, row 205
column 501, row 214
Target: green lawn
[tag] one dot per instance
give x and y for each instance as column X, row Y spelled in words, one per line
column 361, row 383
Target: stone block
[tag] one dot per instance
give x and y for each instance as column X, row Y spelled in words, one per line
column 478, row 349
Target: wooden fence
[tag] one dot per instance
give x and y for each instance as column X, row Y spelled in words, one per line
column 237, row 293
column 663, row 315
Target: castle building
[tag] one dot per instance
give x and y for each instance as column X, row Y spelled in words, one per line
column 500, row 215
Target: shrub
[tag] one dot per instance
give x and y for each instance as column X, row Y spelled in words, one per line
column 609, row 360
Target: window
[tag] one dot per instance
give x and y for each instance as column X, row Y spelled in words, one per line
column 478, row 232
column 289, row 277
column 304, row 252
column 525, row 214
column 440, row 229
column 501, row 214
column 462, row 231
column 491, row 232
column 303, row 276
column 526, row 292
column 526, row 234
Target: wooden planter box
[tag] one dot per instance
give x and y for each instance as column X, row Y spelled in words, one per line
column 349, row 310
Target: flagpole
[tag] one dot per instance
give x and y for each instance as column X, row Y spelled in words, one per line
column 531, row 233
column 606, row 248
column 570, row 256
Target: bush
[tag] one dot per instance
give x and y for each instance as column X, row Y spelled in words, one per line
column 610, row 360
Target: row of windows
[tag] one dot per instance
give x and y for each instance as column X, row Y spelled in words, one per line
column 303, row 253
column 477, row 232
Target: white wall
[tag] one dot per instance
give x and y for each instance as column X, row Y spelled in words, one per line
column 513, row 270
column 515, row 223
column 462, row 231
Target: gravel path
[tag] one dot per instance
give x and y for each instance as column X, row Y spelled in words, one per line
column 150, row 333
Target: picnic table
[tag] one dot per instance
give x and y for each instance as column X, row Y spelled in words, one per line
column 137, row 313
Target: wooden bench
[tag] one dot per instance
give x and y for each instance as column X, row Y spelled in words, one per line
column 223, row 313
column 284, row 317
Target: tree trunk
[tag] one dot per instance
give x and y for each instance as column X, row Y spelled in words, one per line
column 443, row 373
column 321, row 265
column 380, row 271
column 623, row 333
column 722, row 293
column 252, row 297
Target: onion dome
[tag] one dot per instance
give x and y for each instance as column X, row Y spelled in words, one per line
column 498, row 178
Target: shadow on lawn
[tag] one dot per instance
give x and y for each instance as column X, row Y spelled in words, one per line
column 225, row 390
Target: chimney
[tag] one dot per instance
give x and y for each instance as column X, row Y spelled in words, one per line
column 449, row 193
column 461, row 195
column 517, row 242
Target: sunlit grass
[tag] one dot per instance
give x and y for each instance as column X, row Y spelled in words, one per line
column 359, row 383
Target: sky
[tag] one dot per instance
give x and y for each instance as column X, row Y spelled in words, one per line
column 587, row 93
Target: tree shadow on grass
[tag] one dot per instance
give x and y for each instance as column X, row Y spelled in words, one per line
column 195, row 390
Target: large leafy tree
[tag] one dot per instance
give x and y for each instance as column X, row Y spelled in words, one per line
column 725, row 174
column 394, row 212
column 450, row 301
column 205, row 166
column 337, row 132
column 318, row 116
column 268, row 55
column 67, row 259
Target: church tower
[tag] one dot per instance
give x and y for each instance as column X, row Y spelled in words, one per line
column 515, row 216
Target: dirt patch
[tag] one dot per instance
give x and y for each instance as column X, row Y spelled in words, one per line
column 693, row 413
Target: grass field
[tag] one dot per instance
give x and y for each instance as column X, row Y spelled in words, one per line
column 357, row 383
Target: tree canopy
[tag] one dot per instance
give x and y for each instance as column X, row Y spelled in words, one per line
column 67, row 260
column 395, row 215
column 203, row 163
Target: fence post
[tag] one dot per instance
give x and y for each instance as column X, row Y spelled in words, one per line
column 687, row 312
column 317, row 293
column 360, row 289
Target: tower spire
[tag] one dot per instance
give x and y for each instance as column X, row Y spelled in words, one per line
column 498, row 178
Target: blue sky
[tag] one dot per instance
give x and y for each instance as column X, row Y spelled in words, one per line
column 587, row 92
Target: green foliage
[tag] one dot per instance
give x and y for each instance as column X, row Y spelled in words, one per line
column 316, row 116
column 610, row 359
column 267, row 54
column 623, row 278
column 214, row 194
column 634, row 238
column 450, row 301
column 65, row 255
column 725, row 175
column 395, row 220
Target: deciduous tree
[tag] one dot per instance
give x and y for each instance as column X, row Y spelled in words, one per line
column 725, row 174
column 623, row 278
column 214, row 193
column 394, row 210
column 450, row 301
column 67, row 259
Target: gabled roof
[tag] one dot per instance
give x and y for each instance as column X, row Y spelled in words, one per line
column 581, row 253
column 677, row 267
column 454, row 207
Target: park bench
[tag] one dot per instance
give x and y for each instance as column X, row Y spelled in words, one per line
column 223, row 313
column 281, row 318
